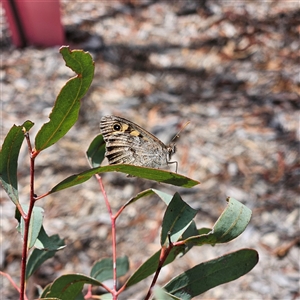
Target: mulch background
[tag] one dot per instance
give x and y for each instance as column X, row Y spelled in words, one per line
column 231, row 69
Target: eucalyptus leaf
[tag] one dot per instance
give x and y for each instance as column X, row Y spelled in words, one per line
column 152, row 174
column 207, row 275
column 66, row 108
column 232, row 222
column 9, row 155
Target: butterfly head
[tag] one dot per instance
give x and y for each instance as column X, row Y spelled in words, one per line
column 171, row 150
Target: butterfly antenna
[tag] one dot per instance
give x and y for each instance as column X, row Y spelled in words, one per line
column 177, row 135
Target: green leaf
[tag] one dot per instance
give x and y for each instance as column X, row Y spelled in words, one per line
column 68, row 286
column 232, row 222
column 152, row 174
column 96, row 151
column 36, row 222
column 66, row 108
column 212, row 273
column 177, row 219
column 103, row 269
column 9, row 159
column 150, row 266
column 50, row 246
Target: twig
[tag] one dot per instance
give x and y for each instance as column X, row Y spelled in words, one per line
column 113, row 232
column 27, row 219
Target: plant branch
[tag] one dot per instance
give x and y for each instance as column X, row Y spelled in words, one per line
column 113, row 232
column 27, row 219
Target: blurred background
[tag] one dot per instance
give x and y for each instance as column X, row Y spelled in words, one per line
column 231, row 69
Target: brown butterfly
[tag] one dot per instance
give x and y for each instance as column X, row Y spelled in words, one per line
column 128, row 143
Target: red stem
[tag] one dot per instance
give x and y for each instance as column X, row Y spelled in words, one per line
column 25, row 251
column 27, row 219
column 114, row 248
column 113, row 233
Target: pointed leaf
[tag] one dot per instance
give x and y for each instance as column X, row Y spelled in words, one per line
column 103, row 269
column 9, row 159
column 177, row 219
column 212, row 273
column 152, row 174
column 66, row 108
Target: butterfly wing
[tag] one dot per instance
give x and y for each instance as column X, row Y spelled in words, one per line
column 127, row 142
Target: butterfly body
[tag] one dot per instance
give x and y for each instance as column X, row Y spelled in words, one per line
column 128, row 143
